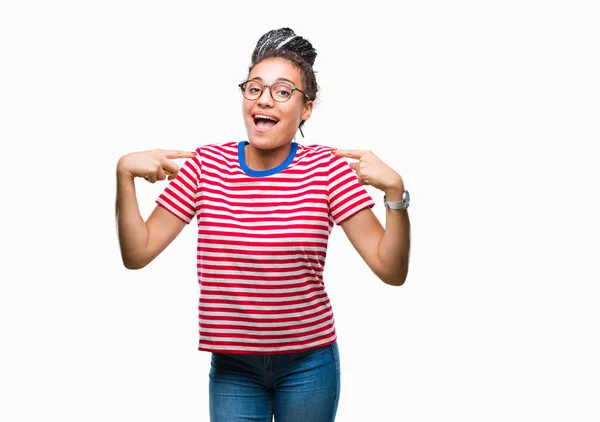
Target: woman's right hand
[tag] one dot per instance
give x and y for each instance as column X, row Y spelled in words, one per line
column 152, row 165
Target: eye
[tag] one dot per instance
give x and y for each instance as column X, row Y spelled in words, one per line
column 253, row 88
column 282, row 91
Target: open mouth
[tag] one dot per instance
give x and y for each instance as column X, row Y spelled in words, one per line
column 264, row 123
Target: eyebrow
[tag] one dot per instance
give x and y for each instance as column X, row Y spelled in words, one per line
column 280, row 79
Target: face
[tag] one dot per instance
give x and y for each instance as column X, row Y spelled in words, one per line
column 285, row 117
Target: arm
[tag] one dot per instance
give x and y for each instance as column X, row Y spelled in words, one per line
column 141, row 241
column 386, row 252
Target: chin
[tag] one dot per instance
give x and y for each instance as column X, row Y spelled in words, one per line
column 260, row 143
column 268, row 142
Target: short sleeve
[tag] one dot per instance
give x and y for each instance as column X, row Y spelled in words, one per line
column 182, row 195
column 346, row 195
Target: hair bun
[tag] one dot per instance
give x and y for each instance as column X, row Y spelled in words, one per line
column 285, row 39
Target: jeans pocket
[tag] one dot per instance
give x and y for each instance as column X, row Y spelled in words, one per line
column 336, row 355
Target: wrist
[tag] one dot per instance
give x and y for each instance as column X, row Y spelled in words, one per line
column 396, row 192
column 122, row 170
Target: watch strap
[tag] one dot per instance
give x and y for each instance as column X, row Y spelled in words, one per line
column 396, row 205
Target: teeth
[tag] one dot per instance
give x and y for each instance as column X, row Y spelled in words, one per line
column 260, row 116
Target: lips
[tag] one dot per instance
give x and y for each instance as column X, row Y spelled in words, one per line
column 263, row 121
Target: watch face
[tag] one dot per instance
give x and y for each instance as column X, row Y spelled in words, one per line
column 406, row 199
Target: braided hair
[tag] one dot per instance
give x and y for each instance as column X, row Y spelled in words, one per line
column 284, row 43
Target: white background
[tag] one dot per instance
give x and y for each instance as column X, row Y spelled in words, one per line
column 489, row 111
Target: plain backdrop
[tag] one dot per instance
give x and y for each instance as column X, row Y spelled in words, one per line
column 489, row 111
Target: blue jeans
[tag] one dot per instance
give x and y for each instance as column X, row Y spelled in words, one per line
column 293, row 387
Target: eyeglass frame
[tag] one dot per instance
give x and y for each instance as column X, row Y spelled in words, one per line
column 241, row 86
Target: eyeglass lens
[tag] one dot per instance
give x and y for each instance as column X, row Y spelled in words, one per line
column 279, row 91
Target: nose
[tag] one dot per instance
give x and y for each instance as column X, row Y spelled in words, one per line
column 265, row 97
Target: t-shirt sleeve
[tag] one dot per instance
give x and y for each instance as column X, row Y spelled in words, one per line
column 182, row 195
column 346, row 195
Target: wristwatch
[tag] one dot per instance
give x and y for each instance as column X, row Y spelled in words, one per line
column 398, row 205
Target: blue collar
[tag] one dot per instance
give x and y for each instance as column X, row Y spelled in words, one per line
column 263, row 173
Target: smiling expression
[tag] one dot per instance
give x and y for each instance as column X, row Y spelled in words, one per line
column 270, row 124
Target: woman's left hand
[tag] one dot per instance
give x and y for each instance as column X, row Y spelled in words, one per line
column 370, row 170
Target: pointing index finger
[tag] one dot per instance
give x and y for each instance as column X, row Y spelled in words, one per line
column 350, row 153
column 170, row 154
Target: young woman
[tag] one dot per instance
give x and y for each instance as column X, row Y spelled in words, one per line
column 265, row 208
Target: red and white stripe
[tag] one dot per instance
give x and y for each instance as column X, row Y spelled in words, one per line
column 262, row 244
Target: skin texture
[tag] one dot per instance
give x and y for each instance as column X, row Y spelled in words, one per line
column 141, row 241
column 268, row 150
column 385, row 251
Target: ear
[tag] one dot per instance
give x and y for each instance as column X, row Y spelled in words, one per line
column 306, row 111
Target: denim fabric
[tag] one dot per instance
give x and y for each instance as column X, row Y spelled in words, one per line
column 293, row 387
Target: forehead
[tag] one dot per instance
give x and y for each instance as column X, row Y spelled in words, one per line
column 269, row 70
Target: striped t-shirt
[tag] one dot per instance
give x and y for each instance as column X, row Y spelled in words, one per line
column 262, row 243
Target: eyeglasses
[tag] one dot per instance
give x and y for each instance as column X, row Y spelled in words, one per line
column 280, row 91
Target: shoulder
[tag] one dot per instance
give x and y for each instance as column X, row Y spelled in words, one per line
column 322, row 154
column 315, row 151
column 219, row 146
column 219, row 151
column 316, row 148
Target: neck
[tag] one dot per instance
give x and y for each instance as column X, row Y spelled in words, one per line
column 266, row 159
